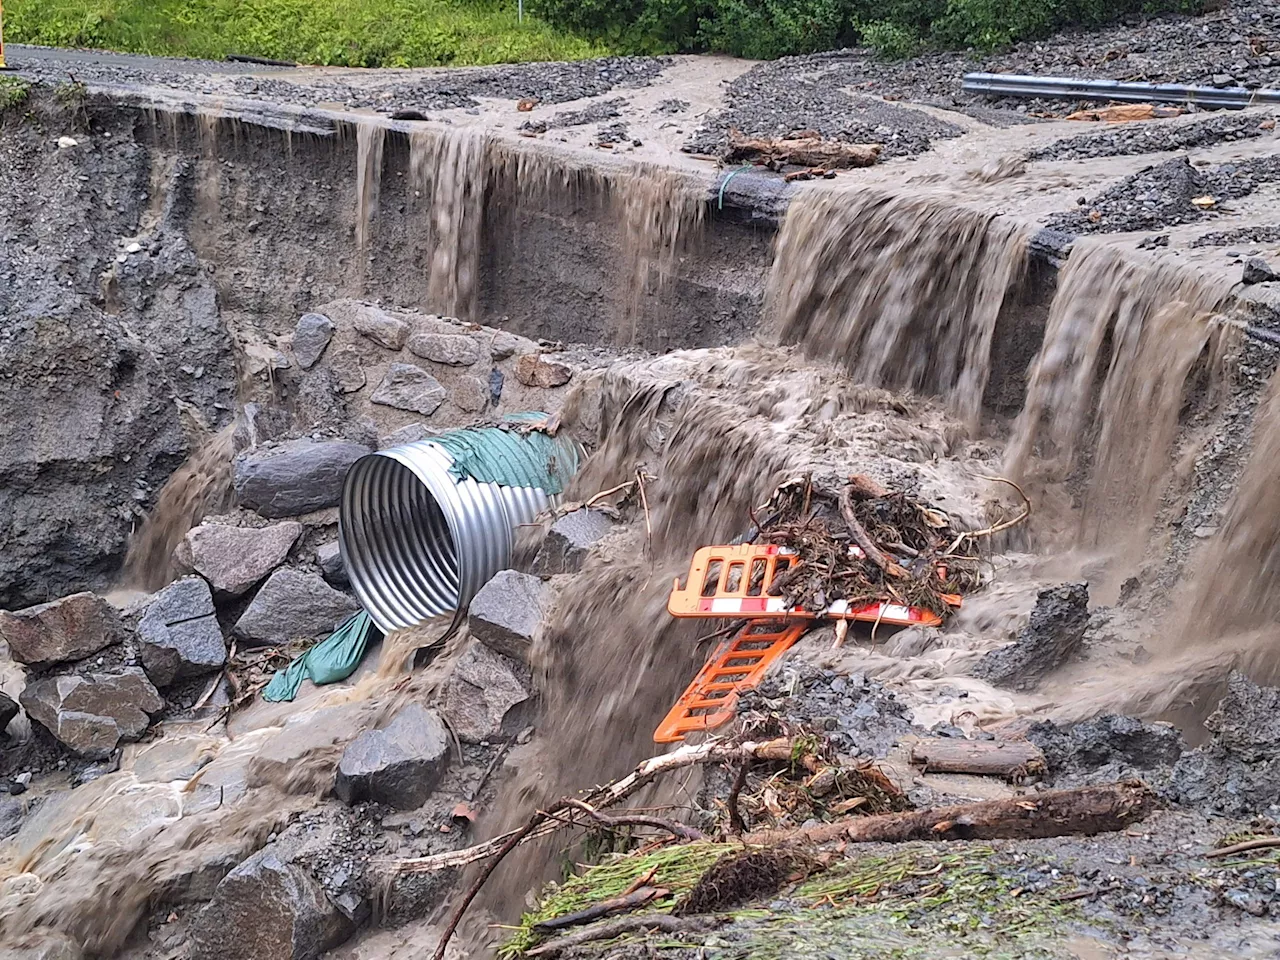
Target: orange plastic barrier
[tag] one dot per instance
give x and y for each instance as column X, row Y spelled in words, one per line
column 737, row 664
column 734, row 581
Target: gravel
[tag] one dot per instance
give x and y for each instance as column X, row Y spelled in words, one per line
column 597, row 112
column 1157, row 136
column 1265, row 233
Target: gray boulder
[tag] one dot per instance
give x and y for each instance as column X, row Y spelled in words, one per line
column 292, row 605
column 8, row 710
column 454, row 349
column 398, row 765
column 233, row 559
column 93, row 713
column 310, row 339
column 268, row 908
column 380, row 327
column 409, row 387
column 533, row 371
column 505, row 614
column 296, row 477
column 567, row 543
column 470, row 394
column 1257, row 270
column 71, row 628
column 12, row 812
column 506, row 345
column 1053, row 635
column 179, row 636
column 485, row 696
column 329, row 557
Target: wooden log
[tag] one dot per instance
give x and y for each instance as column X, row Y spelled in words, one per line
column 1011, row 759
column 863, row 540
column 1085, row 811
column 616, row 928
column 802, row 152
column 627, row 901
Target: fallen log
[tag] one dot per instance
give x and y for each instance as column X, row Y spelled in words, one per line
column 801, row 152
column 616, row 928
column 627, row 901
column 1011, row 759
column 1085, row 811
column 861, row 538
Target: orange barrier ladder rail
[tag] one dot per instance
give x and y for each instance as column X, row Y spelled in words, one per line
column 738, row 664
column 734, row 581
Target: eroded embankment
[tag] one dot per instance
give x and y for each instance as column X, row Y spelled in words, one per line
column 216, row 278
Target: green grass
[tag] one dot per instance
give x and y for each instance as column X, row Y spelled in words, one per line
column 360, row 33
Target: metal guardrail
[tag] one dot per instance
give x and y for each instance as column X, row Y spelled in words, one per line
column 1013, row 85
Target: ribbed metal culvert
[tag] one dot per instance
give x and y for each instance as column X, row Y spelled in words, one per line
column 420, row 537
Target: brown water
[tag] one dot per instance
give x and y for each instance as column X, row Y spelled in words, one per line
column 370, row 141
column 903, row 291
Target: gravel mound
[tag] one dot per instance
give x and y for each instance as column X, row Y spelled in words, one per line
column 1156, row 136
column 1266, row 233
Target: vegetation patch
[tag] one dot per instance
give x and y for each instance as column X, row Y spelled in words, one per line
column 13, row 93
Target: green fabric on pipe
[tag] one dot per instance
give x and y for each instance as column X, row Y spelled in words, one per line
column 328, row 661
column 510, row 459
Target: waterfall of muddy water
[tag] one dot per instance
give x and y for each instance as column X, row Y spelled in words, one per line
column 451, row 169
column 202, row 485
column 370, row 139
column 903, row 291
column 1148, row 321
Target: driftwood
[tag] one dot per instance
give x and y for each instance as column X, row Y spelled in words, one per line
column 616, row 928
column 626, row 901
column 860, row 537
column 801, row 151
column 1084, row 810
column 1261, row 843
column 1011, row 759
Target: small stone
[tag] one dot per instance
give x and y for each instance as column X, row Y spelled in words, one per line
column 296, row 477
column 1222, row 80
column 233, row 559
column 179, row 636
column 454, row 349
column 329, row 557
column 1257, row 270
column 409, row 387
column 294, row 605
column 66, row 143
column 568, row 542
column 485, row 696
column 398, row 765
column 470, row 394
column 93, row 713
column 312, row 336
column 380, row 327
column 533, row 371
column 71, row 628
column 506, row 613
column 133, row 248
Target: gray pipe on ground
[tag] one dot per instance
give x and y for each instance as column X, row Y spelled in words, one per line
column 424, row 526
column 1073, row 88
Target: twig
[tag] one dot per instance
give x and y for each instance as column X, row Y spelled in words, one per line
column 615, row 928
column 1260, row 844
column 628, row 486
column 208, row 691
column 457, row 744
column 999, row 527
column 860, row 537
column 488, row 771
column 644, row 880
column 677, row 830
column 1077, row 895
column 644, row 502
column 736, row 824
column 626, row 901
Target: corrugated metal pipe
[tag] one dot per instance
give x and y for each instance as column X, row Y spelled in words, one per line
column 425, row 525
column 1070, row 88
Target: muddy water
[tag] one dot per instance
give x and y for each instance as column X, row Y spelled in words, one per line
column 370, row 141
column 452, row 170
column 904, row 291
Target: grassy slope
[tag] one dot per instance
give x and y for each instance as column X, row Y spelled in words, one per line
column 392, row 33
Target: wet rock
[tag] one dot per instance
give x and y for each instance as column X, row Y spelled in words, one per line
column 569, row 540
column 454, row 349
column 68, row 629
column 179, row 636
column 8, row 710
column 507, row 611
column 258, row 424
column 1051, row 637
column 380, row 327
column 470, row 394
column 268, row 908
column 295, row 477
column 485, row 696
column 310, row 339
column 1257, row 270
column 12, row 812
column 533, row 371
column 292, row 605
column 329, row 557
column 1106, row 749
column 233, row 559
column 409, row 387
column 506, row 345
column 398, row 765
column 1237, row 773
column 93, row 713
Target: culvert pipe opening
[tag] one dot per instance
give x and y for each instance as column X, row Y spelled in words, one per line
column 423, row 526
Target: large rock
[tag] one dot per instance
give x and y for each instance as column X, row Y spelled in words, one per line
column 505, row 614
column 569, row 540
column 310, row 339
column 179, row 636
column 409, row 387
column 485, row 696
column 8, row 710
column 295, row 477
column 454, row 349
column 72, row 628
column 268, row 908
column 293, row 605
column 329, row 557
column 470, row 394
column 1106, row 749
column 233, row 559
column 1237, row 773
column 13, row 810
column 93, row 713
column 398, row 765
column 533, row 371
column 1052, row 636
column 380, row 327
